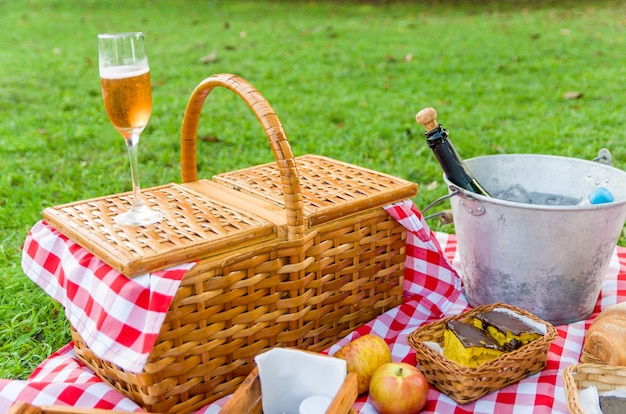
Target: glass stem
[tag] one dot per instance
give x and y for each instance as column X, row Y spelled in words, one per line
column 131, row 143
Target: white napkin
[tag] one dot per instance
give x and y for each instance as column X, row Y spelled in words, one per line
column 589, row 398
column 614, row 393
column 589, row 402
column 288, row 376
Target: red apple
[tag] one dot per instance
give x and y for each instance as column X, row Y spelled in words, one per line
column 398, row 388
column 363, row 356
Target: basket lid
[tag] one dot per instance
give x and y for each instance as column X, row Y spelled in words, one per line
column 330, row 189
column 194, row 227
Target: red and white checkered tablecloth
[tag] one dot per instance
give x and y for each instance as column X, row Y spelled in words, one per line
column 118, row 317
column 432, row 290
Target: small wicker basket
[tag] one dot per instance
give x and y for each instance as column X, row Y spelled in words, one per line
column 302, row 267
column 579, row 376
column 464, row 384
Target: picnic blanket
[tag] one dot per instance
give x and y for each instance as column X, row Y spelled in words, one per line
column 432, row 290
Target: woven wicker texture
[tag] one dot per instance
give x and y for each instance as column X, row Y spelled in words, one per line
column 308, row 287
column 279, row 144
column 465, row 384
column 330, row 188
column 603, row 377
column 193, row 227
column 589, row 358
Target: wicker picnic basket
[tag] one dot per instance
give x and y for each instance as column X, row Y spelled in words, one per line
column 579, row 376
column 300, row 267
column 464, row 384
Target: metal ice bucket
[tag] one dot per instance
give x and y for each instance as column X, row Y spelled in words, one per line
column 549, row 260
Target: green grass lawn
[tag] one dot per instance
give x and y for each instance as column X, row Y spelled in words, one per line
column 346, row 79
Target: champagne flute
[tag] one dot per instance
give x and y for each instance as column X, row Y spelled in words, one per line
column 127, row 94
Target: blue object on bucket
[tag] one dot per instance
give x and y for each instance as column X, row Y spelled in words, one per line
column 600, row 196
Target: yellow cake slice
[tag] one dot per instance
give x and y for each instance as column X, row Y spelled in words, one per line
column 467, row 345
column 510, row 332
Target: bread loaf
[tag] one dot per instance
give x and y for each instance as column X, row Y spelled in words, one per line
column 606, row 337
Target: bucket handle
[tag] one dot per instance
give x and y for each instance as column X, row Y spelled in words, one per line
column 438, row 201
column 473, row 206
column 604, row 157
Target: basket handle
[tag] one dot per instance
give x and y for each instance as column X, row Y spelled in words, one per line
column 273, row 129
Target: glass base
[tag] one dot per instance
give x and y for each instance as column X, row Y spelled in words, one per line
column 139, row 216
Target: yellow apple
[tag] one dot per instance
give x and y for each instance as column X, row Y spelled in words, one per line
column 363, row 356
column 398, row 388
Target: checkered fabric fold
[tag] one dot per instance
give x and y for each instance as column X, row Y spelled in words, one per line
column 119, row 318
column 430, row 278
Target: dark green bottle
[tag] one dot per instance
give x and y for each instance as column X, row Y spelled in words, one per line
column 453, row 166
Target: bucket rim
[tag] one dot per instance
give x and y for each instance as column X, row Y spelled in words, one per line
column 541, row 155
column 543, row 207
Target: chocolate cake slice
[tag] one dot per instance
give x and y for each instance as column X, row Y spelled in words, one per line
column 510, row 332
column 468, row 345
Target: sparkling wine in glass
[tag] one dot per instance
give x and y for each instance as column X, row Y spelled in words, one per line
column 127, row 93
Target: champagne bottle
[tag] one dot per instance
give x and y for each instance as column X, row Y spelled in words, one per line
column 453, row 166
